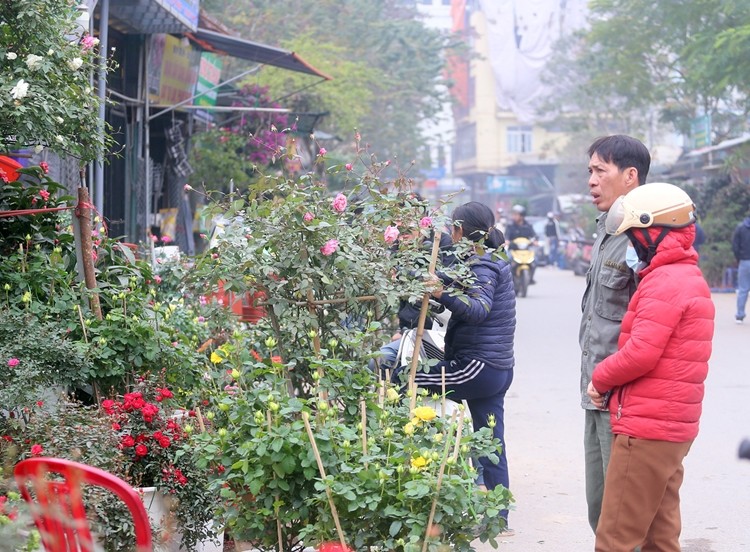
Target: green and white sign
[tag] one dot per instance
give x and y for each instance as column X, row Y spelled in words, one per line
column 209, row 76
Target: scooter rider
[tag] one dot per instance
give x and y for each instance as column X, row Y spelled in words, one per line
column 520, row 228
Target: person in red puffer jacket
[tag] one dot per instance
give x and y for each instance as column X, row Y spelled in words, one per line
column 654, row 383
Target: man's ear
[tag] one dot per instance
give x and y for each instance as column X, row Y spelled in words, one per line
column 631, row 178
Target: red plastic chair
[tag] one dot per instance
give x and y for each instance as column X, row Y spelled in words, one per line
column 53, row 489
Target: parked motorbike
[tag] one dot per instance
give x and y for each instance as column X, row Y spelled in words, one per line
column 521, row 255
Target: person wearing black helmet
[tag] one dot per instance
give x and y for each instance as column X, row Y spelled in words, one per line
column 520, row 228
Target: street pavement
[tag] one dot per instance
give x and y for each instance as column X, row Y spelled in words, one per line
column 544, row 431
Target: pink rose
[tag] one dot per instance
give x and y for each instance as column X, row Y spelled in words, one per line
column 166, row 239
column 330, row 247
column 13, row 362
column 339, row 203
column 322, row 152
column 308, row 217
column 391, row 234
column 425, row 222
column 88, row 42
column 349, row 166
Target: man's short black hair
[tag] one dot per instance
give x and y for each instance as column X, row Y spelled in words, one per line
column 623, row 151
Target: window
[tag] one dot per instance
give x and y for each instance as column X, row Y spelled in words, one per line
column 519, row 139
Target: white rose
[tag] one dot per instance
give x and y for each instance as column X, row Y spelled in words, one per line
column 11, row 55
column 20, row 90
column 33, row 61
column 75, row 63
column 59, row 119
column 59, row 139
column 50, row 52
column 87, row 90
column 38, row 148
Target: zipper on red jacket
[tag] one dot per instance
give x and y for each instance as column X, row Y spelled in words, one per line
column 619, row 402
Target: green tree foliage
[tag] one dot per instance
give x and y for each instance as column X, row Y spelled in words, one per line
column 46, row 98
column 673, row 58
column 384, row 62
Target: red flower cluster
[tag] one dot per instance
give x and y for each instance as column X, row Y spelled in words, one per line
column 146, row 435
column 12, row 514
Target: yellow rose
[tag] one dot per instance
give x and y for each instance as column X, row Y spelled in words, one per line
column 420, row 462
column 216, row 358
column 409, row 429
column 391, row 395
column 425, row 413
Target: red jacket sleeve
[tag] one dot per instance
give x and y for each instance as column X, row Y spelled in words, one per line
column 647, row 327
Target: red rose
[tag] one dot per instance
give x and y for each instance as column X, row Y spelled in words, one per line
column 166, row 393
column 127, row 441
column 36, row 450
column 141, row 450
column 164, row 442
column 116, row 427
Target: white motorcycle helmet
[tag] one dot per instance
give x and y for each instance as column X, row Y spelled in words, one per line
column 655, row 204
column 651, row 205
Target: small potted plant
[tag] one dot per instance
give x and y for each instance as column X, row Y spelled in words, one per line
column 155, row 441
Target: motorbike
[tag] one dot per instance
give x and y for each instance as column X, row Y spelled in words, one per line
column 521, row 255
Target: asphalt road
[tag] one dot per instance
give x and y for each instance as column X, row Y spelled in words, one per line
column 544, row 431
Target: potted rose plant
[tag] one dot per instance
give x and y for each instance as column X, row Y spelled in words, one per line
column 155, row 440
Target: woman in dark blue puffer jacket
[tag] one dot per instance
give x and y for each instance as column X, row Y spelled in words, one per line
column 479, row 340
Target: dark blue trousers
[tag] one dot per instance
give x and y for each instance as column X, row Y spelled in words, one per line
column 483, row 388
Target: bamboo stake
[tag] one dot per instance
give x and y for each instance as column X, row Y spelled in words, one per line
column 441, row 471
column 316, row 341
column 279, row 534
column 420, row 326
column 442, row 388
column 323, row 302
column 321, row 468
column 198, row 415
column 83, row 324
column 363, row 411
column 459, row 432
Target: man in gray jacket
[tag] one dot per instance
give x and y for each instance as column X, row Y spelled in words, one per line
column 617, row 165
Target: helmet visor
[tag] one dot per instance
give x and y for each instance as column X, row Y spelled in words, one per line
column 615, row 217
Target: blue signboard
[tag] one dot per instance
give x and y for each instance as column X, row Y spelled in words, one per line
column 186, row 11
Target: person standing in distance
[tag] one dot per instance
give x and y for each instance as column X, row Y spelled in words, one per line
column 617, row 165
column 741, row 250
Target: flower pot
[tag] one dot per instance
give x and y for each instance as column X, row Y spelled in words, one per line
column 157, row 507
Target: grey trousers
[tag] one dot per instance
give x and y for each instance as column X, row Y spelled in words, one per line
column 597, row 445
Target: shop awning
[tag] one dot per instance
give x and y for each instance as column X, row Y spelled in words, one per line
column 232, row 46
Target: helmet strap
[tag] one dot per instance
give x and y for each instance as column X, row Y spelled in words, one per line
column 652, row 245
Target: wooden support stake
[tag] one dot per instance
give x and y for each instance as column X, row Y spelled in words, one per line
column 83, row 212
column 459, row 432
column 321, row 468
column 363, row 417
column 279, row 534
column 441, row 471
column 442, row 388
column 198, row 415
column 316, row 342
column 420, row 326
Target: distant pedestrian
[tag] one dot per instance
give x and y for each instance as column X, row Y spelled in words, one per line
column 552, row 233
column 741, row 250
column 655, row 380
